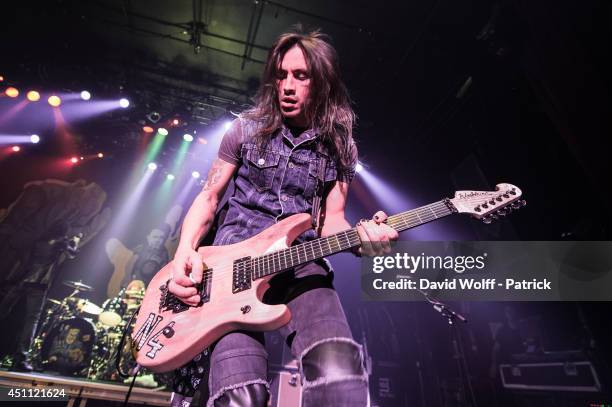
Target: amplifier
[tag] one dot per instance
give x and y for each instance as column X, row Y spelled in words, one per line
column 575, row 376
column 285, row 389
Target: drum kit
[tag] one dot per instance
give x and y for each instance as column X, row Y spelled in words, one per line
column 79, row 338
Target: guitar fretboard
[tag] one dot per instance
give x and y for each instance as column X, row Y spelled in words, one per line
column 293, row 256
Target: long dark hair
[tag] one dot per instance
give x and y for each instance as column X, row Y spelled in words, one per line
column 329, row 109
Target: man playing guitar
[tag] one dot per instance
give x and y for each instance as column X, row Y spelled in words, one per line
column 289, row 153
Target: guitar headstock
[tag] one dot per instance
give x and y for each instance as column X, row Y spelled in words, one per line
column 489, row 205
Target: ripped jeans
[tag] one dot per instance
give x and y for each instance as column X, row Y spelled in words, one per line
column 318, row 320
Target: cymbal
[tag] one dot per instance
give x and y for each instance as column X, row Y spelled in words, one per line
column 52, row 301
column 79, row 285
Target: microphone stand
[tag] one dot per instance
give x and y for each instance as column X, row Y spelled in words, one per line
column 451, row 317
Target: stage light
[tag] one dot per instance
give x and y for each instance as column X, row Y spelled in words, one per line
column 153, row 117
column 54, row 101
column 162, row 131
column 1, row 78
column 85, row 95
column 169, row 177
column 152, row 166
column 16, row 148
column 100, row 155
column 74, row 160
column 124, row 103
column 33, row 96
column 227, row 125
column 82, row 158
column 34, row 138
column 148, row 129
column 195, row 174
column 11, row 92
column 188, row 137
column 176, row 122
column 359, row 167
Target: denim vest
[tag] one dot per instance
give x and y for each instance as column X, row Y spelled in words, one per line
column 272, row 182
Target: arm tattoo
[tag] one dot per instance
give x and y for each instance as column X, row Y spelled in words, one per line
column 214, row 174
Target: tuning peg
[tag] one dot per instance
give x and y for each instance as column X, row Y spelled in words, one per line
column 487, row 220
column 501, row 212
column 515, row 205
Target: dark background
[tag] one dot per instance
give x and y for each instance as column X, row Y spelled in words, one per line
column 450, row 95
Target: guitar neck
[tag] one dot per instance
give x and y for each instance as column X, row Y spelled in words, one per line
column 293, row 256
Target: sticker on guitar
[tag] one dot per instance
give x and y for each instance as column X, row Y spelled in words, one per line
column 145, row 334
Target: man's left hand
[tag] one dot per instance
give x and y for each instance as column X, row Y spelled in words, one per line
column 375, row 235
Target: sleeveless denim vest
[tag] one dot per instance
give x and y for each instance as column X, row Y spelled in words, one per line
column 272, row 182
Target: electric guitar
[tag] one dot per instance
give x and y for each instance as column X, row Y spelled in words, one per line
column 168, row 333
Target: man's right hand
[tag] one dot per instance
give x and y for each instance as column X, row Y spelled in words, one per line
column 186, row 262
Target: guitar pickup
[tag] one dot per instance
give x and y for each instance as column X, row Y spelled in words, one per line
column 169, row 302
column 241, row 279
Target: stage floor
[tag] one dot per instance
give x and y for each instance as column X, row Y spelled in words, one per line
column 78, row 392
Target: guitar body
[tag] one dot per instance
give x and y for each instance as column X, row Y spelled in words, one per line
column 165, row 339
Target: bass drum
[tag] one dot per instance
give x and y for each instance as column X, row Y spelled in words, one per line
column 68, row 347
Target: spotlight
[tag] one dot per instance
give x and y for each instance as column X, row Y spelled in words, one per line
column 124, row 103
column 100, row 155
column 11, row 92
column 74, row 160
column 16, row 148
column 85, row 95
column 162, row 131
column 359, row 167
column 33, row 96
column 147, row 129
column 152, row 166
column 175, row 122
column 188, row 137
column 54, row 101
column 169, row 177
column 1, row 78
column 34, row 138
column 195, row 174
column 227, row 125
column 153, row 117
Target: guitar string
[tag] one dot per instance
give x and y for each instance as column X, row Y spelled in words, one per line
column 402, row 219
column 267, row 263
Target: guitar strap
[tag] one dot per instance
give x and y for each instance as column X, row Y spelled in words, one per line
column 320, row 187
